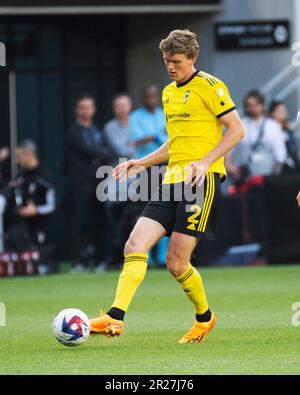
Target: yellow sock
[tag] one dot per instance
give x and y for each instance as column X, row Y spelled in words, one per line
column 191, row 283
column 133, row 273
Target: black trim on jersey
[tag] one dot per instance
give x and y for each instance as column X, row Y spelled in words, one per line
column 211, row 80
column 226, row 112
column 188, row 80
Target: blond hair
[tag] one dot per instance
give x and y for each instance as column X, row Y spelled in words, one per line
column 182, row 42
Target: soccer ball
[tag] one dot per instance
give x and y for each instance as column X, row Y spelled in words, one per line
column 71, row 327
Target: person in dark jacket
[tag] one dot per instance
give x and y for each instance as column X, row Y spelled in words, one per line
column 4, row 166
column 87, row 216
column 29, row 200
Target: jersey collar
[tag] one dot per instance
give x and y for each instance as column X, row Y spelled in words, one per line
column 188, row 80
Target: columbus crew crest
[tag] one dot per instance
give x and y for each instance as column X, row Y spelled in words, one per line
column 186, row 96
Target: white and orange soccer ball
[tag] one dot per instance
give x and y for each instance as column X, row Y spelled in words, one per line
column 71, row 327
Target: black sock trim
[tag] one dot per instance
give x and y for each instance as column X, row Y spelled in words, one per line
column 116, row 313
column 135, row 258
column 187, row 275
column 205, row 317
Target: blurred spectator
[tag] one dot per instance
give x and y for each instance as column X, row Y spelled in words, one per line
column 29, row 199
column 87, row 217
column 4, row 166
column 117, row 131
column 148, row 128
column 263, row 151
column 147, row 123
column 84, row 140
column 4, row 178
column 278, row 112
column 118, row 138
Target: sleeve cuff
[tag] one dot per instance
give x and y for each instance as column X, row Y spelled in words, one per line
column 226, row 112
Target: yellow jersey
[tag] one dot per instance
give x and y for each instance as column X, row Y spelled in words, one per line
column 192, row 111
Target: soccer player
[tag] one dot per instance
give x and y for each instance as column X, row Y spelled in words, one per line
column 197, row 105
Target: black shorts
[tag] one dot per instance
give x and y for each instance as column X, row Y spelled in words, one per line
column 179, row 213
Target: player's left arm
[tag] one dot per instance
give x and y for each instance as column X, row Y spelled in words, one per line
column 235, row 133
column 216, row 96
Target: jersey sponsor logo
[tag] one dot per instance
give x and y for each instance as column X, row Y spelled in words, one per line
column 180, row 115
column 186, row 96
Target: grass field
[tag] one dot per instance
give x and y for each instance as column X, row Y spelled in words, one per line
column 253, row 335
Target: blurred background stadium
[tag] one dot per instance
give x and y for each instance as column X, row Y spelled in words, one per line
column 62, row 55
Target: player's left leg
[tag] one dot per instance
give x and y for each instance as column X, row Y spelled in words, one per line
column 195, row 218
column 178, row 262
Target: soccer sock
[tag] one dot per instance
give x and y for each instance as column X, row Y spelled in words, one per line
column 116, row 313
column 205, row 317
column 133, row 273
column 191, row 283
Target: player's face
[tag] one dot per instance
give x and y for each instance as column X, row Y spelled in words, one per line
column 22, row 157
column 254, row 108
column 122, row 106
column 179, row 67
column 151, row 98
column 85, row 109
column 280, row 113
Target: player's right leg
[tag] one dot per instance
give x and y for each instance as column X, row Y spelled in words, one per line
column 145, row 234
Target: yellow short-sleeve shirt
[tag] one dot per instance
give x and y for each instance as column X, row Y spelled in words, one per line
column 192, row 110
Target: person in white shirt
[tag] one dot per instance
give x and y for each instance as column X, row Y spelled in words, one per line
column 279, row 112
column 263, row 150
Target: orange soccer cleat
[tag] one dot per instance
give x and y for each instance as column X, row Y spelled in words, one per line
column 198, row 331
column 107, row 326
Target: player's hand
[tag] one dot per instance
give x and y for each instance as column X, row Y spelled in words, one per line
column 234, row 171
column 298, row 199
column 4, row 154
column 28, row 211
column 196, row 172
column 126, row 169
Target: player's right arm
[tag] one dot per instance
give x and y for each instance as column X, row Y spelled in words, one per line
column 135, row 166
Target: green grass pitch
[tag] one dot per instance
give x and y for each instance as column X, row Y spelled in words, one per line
column 253, row 335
